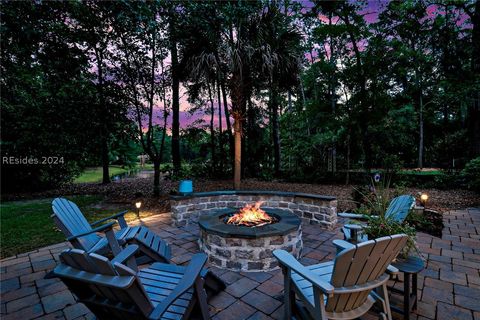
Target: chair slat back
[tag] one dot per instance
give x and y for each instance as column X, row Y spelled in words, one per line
column 400, row 207
column 364, row 263
column 71, row 221
column 103, row 297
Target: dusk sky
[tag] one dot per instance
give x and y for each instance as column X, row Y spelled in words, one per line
column 371, row 13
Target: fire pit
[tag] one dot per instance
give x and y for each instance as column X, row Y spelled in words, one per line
column 243, row 239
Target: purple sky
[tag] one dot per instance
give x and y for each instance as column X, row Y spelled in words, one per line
column 371, row 13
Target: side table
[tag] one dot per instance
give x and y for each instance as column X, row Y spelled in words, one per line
column 410, row 268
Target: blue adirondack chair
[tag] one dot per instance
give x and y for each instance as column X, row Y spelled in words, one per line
column 79, row 232
column 151, row 247
column 113, row 290
column 397, row 210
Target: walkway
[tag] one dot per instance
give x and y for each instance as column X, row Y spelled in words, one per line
column 449, row 287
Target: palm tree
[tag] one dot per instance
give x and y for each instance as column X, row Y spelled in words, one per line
column 248, row 45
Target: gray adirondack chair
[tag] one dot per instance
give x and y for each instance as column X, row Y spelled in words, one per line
column 397, row 210
column 345, row 288
column 112, row 290
column 68, row 218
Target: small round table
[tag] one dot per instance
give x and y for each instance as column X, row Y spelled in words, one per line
column 410, row 267
column 356, row 235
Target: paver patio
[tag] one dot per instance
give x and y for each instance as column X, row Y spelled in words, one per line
column 449, row 287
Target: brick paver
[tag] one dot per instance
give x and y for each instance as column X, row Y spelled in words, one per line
column 449, row 287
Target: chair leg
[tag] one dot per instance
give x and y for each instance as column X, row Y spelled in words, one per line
column 202, row 298
column 386, row 301
column 289, row 294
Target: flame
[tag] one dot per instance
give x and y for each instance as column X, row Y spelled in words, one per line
column 252, row 216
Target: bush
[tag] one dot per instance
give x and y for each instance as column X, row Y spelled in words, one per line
column 381, row 227
column 471, row 174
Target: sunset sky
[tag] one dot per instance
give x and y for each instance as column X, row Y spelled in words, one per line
column 371, row 13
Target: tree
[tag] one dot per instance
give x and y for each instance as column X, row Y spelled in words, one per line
column 47, row 97
column 173, row 26
column 141, row 34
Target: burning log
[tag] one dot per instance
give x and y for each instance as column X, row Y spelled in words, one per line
column 251, row 216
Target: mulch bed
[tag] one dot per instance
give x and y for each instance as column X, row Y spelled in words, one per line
column 126, row 192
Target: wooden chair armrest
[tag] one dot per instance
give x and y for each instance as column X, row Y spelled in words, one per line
column 104, row 228
column 125, row 254
column 289, row 261
column 357, row 216
column 64, row 271
column 191, row 274
column 118, row 216
column 342, row 244
column 391, row 270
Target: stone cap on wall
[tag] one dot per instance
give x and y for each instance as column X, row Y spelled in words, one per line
column 251, row 192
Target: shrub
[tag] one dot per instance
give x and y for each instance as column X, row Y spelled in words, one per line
column 471, row 174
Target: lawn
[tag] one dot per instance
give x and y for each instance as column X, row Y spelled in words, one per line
column 95, row 174
column 92, row 175
column 26, row 225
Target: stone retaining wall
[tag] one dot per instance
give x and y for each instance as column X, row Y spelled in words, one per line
column 312, row 209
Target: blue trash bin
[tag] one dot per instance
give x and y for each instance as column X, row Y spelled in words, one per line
column 186, row 186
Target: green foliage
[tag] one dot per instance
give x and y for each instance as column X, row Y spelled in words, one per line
column 471, row 174
column 319, row 99
column 375, row 198
column 381, row 227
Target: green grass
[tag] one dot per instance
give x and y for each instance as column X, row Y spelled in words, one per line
column 92, row 175
column 26, row 225
column 421, row 173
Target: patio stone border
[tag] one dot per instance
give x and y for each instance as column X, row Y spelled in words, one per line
column 310, row 208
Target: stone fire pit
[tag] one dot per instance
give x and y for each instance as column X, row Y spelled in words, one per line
column 242, row 248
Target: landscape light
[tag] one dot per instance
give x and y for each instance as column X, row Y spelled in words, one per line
column 423, row 199
column 138, row 205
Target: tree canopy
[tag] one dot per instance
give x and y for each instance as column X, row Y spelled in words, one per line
column 284, row 88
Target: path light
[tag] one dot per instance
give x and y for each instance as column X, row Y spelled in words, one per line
column 138, row 204
column 423, row 199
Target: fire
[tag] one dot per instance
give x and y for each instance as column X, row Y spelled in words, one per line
column 251, row 216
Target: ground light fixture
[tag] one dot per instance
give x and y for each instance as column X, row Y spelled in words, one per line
column 138, row 205
column 423, row 199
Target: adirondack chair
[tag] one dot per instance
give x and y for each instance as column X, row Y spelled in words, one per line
column 68, row 218
column 112, row 290
column 397, row 210
column 79, row 232
column 345, row 288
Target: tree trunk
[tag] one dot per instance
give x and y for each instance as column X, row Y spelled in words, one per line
column 175, row 99
column 156, row 177
column 227, row 121
column 238, row 152
column 212, row 129
column 103, row 112
column 275, row 130
column 105, row 162
column 347, row 180
column 333, row 101
column 420, row 143
column 474, row 109
column 220, row 129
